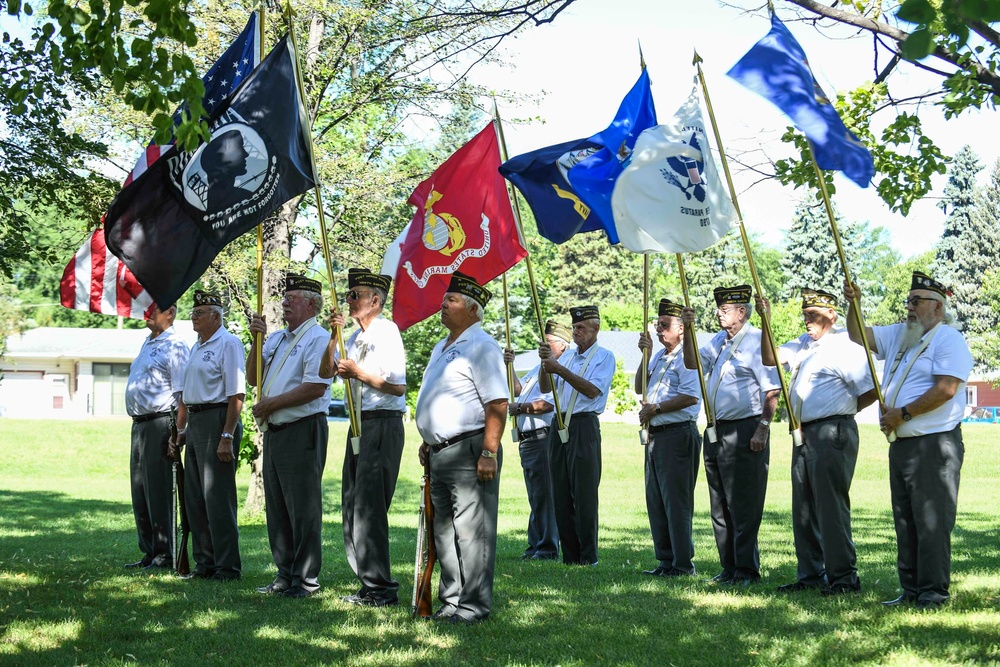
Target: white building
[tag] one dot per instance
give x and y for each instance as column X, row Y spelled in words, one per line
column 50, row 372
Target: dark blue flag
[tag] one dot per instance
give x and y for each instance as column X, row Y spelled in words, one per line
column 541, row 177
column 777, row 69
column 594, row 178
column 171, row 222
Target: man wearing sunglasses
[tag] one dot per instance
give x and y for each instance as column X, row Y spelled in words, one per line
column 927, row 363
column 830, row 383
column 376, row 366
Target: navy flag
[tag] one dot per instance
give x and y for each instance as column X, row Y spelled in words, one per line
column 170, row 223
column 541, row 176
column 776, row 68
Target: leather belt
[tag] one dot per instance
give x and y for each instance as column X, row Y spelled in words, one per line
column 201, row 407
column 536, row 433
column 660, row 428
column 737, row 421
column 578, row 414
column 825, row 419
column 150, row 417
column 380, row 414
column 274, row 428
column 458, row 438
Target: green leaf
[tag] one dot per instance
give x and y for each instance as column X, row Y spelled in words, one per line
column 916, row 11
column 918, row 45
column 13, row 7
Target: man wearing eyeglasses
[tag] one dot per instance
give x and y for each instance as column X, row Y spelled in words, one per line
column 460, row 417
column 376, row 366
column 155, row 383
column 927, row 363
column 214, row 389
column 291, row 411
column 669, row 414
column 743, row 395
column 830, row 383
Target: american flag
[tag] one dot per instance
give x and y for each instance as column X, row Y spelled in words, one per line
column 94, row 280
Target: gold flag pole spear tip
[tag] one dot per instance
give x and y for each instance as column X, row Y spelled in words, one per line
column 353, row 410
column 765, row 321
column 560, row 424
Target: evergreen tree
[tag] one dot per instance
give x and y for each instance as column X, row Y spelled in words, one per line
column 811, row 259
column 588, row 270
column 970, row 244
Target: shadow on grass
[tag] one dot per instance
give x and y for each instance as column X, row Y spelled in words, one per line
column 65, row 599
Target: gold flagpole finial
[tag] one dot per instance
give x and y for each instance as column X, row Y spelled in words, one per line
column 642, row 59
column 696, row 60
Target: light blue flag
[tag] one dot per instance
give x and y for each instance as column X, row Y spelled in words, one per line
column 593, row 179
column 776, row 68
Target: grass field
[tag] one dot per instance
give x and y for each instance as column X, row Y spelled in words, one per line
column 66, row 529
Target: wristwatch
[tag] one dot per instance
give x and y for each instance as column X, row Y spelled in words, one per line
column 487, row 454
column 906, row 415
column 765, row 422
column 226, row 435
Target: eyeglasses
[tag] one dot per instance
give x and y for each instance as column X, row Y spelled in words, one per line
column 354, row 294
column 195, row 314
column 915, row 301
column 663, row 327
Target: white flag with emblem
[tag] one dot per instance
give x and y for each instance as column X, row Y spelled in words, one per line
column 670, row 197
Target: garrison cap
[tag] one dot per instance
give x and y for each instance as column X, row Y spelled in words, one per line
column 581, row 313
column 924, row 281
column 365, row 278
column 560, row 331
column 817, row 298
column 294, row 282
column 467, row 285
column 732, row 295
column 669, row 308
column 202, row 298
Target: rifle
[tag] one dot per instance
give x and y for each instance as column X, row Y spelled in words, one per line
column 422, row 597
column 179, row 552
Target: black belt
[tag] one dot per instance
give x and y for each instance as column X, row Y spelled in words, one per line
column 826, row 419
column 281, row 427
column 150, row 417
column 380, row 414
column 201, row 407
column 660, row 428
column 538, row 432
column 458, row 438
column 577, row 414
column 737, row 421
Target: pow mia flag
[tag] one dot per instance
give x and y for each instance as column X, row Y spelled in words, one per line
column 171, row 222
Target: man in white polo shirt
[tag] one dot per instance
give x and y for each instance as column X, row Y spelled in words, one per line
column 673, row 447
column 376, row 366
column 214, row 389
column 583, row 379
column 927, row 363
column 292, row 412
column 155, row 382
column 460, row 417
column 830, row 384
column 533, row 412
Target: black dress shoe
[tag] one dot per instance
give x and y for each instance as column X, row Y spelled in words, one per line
column 721, row 578
column 461, row 620
column 139, row 563
column 197, row 575
column 159, row 563
column 528, row 555
column 443, row 614
column 377, row 601
column 796, row 587
column 674, row 572
column 297, row 592
column 272, row 589
column 656, row 572
column 929, row 604
column 901, row 600
column 743, row 582
column 841, row 589
column 542, row 555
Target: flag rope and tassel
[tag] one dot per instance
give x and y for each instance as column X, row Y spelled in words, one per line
column 793, row 421
column 856, row 302
column 510, row 366
column 709, row 416
column 560, row 423
column 353, row 410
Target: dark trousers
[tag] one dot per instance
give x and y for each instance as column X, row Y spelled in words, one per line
column 210, row 496
column 924, row 472
column 671, row 471
column 465, row 527
column 737, row 483
column 152, row 487
column 822, row 470
column 576, row 476
column 369, row 482
column 294, row 458
column 543, row 534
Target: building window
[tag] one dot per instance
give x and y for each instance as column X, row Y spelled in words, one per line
column 109, row 389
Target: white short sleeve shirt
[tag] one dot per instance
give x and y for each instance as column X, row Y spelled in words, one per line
column 600, row 371
column 668, row 378
column 379, row 351
column 742, row 380
column 215, row 369
column 301, row 366
column 828, row 374
column 531, row 391
column 157, row 375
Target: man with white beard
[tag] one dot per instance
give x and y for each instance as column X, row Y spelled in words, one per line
column 927, row 363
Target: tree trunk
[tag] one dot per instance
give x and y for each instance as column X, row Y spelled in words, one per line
column 277, row 250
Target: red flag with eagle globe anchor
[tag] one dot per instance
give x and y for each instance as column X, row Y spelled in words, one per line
column 463, row 222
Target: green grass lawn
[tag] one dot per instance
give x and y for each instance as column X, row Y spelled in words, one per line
column 66, row 529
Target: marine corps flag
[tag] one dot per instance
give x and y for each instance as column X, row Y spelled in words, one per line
column 463, row 221
column 171, row 222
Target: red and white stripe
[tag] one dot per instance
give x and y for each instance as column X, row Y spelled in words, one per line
column 96, row 281
column 148, row 157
